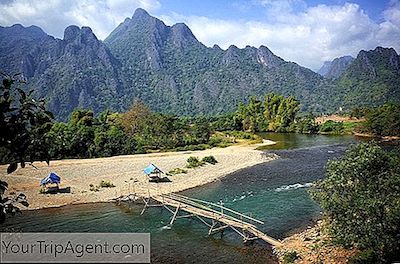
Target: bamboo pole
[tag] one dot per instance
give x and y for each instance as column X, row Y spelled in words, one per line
column 222, row 207
column 197, row 206
column 204, row 221
column 200, row 206
column 221, row 228
column 199, row 210
column 175, row 214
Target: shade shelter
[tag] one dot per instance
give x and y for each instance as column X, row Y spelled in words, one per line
column 153, row 172
column 52, row 178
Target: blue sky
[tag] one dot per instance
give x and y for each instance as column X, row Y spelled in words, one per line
column 250, row 10
column 306, row 32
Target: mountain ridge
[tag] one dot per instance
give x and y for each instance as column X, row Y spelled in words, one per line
column 170, row 70
column 335, row 68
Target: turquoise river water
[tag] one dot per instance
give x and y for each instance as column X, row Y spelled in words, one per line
column 274, row 192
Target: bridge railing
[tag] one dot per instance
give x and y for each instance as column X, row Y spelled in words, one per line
column 218, row 209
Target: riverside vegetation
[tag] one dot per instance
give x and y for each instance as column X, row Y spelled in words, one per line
column 141, row 130
column 360, row 197
column 30, row 134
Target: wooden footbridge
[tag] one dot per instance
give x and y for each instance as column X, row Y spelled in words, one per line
column 221, row 217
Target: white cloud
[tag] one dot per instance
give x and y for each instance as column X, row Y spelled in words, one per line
column 55, row 15
column 309, row 37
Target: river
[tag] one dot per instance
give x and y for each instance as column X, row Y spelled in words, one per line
column 274, row 192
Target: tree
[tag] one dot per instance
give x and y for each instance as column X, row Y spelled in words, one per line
column 201, row 130
column 227, row 122
column 280, row 112
column 82, row 117
column 360, row 196
column 136, row 117
column 306, row 125
column 331, row 126
column 359, row 112
column 384, row 120
column 23, row 122
column 60, row 137
column 254, row 119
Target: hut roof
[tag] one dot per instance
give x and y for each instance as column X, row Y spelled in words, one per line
column 152, row 169
column 51, row 178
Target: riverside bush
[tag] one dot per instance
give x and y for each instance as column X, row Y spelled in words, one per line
column 106, row 184
column 194, row 162
column 177, row 171
column 360, row 198
column 290, row 257
column 210, row 159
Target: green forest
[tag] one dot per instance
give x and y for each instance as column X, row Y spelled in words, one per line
column 141, row 130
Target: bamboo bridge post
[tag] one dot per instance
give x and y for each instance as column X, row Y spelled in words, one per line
column 144, row 207
column 220, row 216
column 212, row 226
column 175, row 214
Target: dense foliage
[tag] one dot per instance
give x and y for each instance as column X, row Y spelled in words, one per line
column 141, row 130
column 23, row 123
column 305, row 125
column 137, row 131
column 332, row 127
column 85, row 136
column 360, row 195
column 383, row 121
column 275, row 113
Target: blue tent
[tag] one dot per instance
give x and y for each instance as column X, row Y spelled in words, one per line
column 51, row 178
column 152, row 169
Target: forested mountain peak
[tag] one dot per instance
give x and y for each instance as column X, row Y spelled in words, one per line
column 21, row 32
column 20, row 48
column 375, row 63
column 82, row 35
column 334, row 69
column 182, row 36
column 140, row 13
column 373, row 78
column 141, row 25
column 216, row 47
column 83, row 42
column 267, row 58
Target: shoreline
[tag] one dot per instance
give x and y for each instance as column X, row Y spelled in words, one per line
column 126, row 173
column 384, row 138
column 313, row 245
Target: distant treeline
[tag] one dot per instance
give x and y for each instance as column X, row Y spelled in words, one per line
column 277, row 113
column 140, row 130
